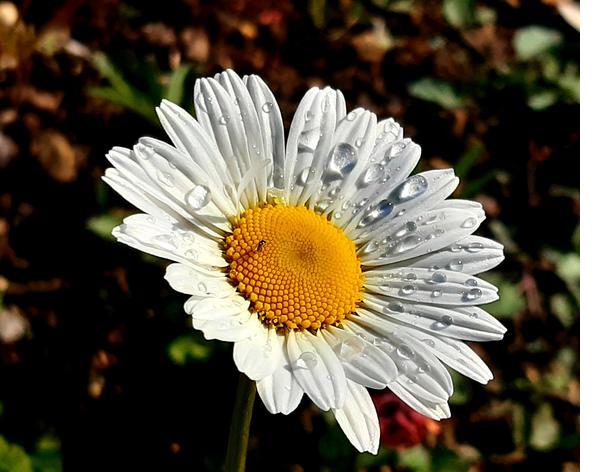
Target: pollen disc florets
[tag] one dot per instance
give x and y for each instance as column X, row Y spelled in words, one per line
column 297, row 269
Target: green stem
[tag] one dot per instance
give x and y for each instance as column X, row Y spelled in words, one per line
column 239, row 431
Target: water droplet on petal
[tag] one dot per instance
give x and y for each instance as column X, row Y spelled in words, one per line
column 408, row 227
column 267, row 107
column 198, row 197
column 410, row 276
column 351, row 116
column 381, row 210
column 165, row 240
column 411, row 188
column 191, row 254
column 438, row 277
column 436, row 293
column 349, row 348
column 474, row 247
column 406, row 351
column 224, row 119
column 307, row 360
column 447, row 320
column 471, row 283
column 343, row 159
column 372, row 174
column 408, row 289
column 473, row 294
column 394, row 307
column 456, row 248
column 469, row 222
column 429, row 342
column 165, row 178
column 456, row 265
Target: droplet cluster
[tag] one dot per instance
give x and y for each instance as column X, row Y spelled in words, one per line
column 298, row 270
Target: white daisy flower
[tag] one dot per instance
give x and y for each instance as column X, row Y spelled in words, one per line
column 329, row 266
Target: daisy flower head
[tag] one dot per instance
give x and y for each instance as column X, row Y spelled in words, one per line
column 329, row 266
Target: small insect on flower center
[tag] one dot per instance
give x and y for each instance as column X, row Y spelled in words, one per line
column 298, row 270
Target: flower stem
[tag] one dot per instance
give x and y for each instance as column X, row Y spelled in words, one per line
column 239, row 431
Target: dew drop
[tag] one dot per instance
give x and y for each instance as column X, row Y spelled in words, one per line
column 436, row 293
column 202, row 288
column 191, row 254
column 394, row 151
column 165, row 240
column 198, row 197
column 343, row 159
column 408, row 289
column 410, row 276
column 429, row 342
column 307, row 360
column 456, row 265
column 395, row 307
column 438, row 278
column 381, row 210
column 469, row 223
column 165, row 178
column 406, row 351
column 408, row 227
column 471, row 283
column 447, row 320
column 224, row 120
column 411, row 188
column 473, row 294
column 349, row 348
column 372, row 174
column 474, row 247
column 267, row 107
column 351, row 116
column 456, row 248
column 406, row 244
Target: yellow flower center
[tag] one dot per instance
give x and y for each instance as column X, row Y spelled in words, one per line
column 297, row 269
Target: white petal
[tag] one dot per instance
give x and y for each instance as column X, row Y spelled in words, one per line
column 280, row 391
column 259, row 356
column 358, row 419
column 422, row 374
column 317, row 369
column 309, row 143
column 363, row 363
column 271, row 122
column 440, row 287
column 471, row 255
column 430, row 231
column 436, row 411
column 196, row 281
column 128, row 169
column 352, row 146
column 437, row 320
column 389, row 164
column 217, row 320
column 427, row 347
column 172, row 241
column 403, row 203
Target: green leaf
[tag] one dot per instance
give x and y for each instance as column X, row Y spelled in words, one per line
column 48, row 457
column 542, row 100
column 416, row 459
column 13, row 458
column 511, row 300
column 188, row 348
column 468, row 160
column 175, row 88
column 120, row 92
column 545, row 429
column 459, row 13
column 563, row 309
column 534, row 40
column 102, row 225
column 436, row 91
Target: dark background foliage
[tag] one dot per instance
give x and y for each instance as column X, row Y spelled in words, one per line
column 99, row 366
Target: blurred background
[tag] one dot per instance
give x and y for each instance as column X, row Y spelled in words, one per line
column 99, row 366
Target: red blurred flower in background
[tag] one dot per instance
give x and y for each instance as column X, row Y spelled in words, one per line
column 401, row 426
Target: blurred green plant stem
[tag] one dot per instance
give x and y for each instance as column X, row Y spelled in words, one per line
column 239, row 431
